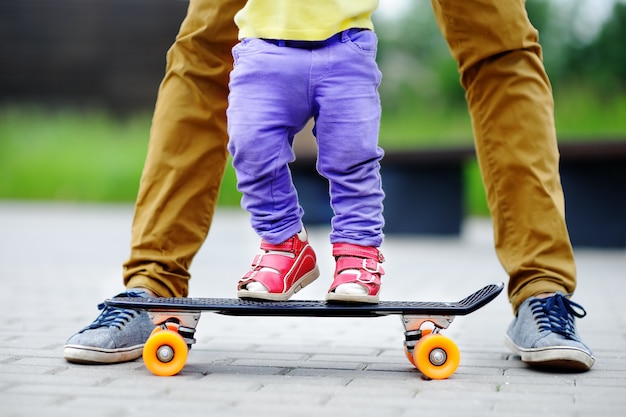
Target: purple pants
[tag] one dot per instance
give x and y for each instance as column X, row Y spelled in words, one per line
column 275, row 88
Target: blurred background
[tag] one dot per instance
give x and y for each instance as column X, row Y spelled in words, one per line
column 78, row 81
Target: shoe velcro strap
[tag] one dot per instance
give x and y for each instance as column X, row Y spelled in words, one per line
column 369, row 281
column 278, row 262
column 291, row 245
column 351, row 262
column 349, row 249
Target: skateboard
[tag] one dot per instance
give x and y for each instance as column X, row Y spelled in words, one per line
column 433, row 354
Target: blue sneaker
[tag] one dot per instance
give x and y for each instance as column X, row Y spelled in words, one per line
column 117, row 335
column 544, row 334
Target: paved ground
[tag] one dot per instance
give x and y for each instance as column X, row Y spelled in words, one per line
column 57, row 262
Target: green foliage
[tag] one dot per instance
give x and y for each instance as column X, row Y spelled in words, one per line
column 229, row 196
column 475, row 196
column 415, row 60
column 69, row 155
column 583, row 112
column 602, row 63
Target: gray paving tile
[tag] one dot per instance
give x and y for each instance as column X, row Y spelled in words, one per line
column 58, row 261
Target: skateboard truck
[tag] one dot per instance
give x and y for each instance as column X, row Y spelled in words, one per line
column 181, row 322
column 414, row 331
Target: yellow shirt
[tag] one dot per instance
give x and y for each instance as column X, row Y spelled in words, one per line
column 303, row 20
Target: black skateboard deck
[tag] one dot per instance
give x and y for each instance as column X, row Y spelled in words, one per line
column 435, row 355
column 297, row 308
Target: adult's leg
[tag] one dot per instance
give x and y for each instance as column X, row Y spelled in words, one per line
column 187, row 151
column 511, row 105
column 180, row 182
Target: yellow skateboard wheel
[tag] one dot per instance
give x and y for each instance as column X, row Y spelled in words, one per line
column 409, row 356
column 436, row 356
column 165, row 353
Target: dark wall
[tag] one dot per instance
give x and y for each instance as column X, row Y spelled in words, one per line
column 109, row 53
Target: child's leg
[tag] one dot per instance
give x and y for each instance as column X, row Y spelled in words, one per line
column 347, row 129
column 268, row 105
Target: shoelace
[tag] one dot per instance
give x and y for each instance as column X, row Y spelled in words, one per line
column 113, row 316
column 556, row 314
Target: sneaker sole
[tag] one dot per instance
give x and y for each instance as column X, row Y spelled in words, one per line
column 305, row 280
column 565, row 358
column 94, row 356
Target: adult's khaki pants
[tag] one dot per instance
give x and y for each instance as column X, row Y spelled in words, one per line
column 510, row 102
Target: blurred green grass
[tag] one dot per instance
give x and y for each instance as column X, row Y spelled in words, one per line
column 69, row 155
column 92, row 156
